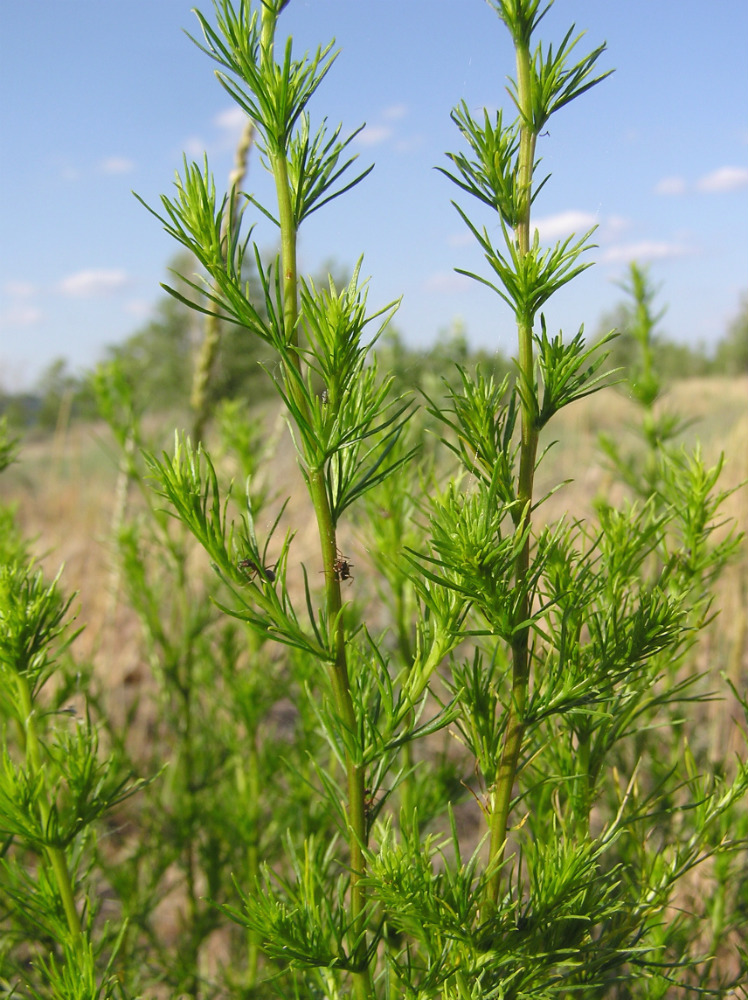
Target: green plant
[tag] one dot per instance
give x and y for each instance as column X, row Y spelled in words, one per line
column 491, row 781
column 55, row 787
column 543, row 645
column 209, row 817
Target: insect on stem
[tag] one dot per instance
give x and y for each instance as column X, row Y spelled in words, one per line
column 252, row 569
column 342, row 568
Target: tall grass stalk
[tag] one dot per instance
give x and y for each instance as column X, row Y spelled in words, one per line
column 206, row 357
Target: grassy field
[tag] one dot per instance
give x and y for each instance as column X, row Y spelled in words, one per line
column 64, row 488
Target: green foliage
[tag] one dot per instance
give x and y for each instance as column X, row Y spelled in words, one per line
column 578, row 621
column 8, row 446
column 427, row 370
column 56, row 785
column 158, row 360
column 568, row 630
column 528, row 279
column 61, row 396
column 209, row 817
column 471, row 771
column 732, row 352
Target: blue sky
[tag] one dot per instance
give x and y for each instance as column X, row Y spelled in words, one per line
column 101, row 98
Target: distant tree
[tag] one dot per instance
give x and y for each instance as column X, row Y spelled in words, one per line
column 240, row 354
column 237, row 366
column 60, row 395
column 731, row 357
column 19, row 408
column 157, row 359
column 622, row 351
column 428, row 368
column 676, row 360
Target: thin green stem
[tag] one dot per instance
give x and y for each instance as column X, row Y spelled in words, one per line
column 356, row 777
column 527, row 139
column 248, row 787
column 355, row 774
column 581, row 789
column 206, row 358
column 288, row 251
column 193, row 936
column 515, row 728
column 407, row 801
column 185, row 681
column 55, row 855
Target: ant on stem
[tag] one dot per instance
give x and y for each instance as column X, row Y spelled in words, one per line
column 252, row 569
column 342, row 568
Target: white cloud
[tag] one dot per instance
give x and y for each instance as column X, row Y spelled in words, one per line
column 229, row 124
column 724, row 179
column 552, row 227
column 447, row 282
column 394, row 112
column 670, row 186
column 645, row 250
column 561, row 225
column 615, row 224
column 231, row 119
column 373, row 135
column 408, row 145
column 20, row 311
column 462, row 239
column 19, row 289
column 194, row 146
column 89, row 283
column 116, row 165
column 141, row 309
column 21, row 314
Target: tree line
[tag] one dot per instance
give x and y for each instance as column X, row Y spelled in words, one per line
column 158, row 360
